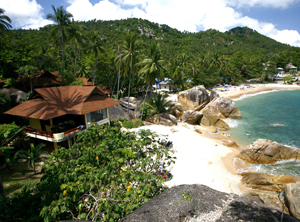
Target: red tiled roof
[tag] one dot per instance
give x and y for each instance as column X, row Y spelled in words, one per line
column 105, row 89
column 85, row 81
column 45, row 79
column 2, row 81
column 47, row 103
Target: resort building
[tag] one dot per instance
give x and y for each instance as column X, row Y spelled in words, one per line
column 59, row 114
column 291, row 67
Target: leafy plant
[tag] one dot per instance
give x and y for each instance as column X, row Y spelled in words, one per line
column 32, row 155
column 158, row 104
column 104, row 176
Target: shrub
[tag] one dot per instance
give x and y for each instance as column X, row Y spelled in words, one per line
column 128, row 124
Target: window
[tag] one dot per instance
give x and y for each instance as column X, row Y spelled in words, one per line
column 96, row 116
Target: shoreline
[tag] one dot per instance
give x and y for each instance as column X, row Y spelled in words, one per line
column 238, row 93
column 201, row 159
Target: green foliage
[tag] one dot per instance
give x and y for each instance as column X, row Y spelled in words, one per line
column 77, row 82
column 32, row 155
column 135, row 123
column 7, row 130
column 158, row 104
column 105, row 176
column 288, row 79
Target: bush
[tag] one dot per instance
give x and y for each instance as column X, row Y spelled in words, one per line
column 104, row 176
column 137, row 123
column 128, row 124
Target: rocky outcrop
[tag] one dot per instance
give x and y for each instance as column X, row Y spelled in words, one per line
column 191, row 98
column 221, row 125
column 230, row 143
column 169, row 117
column 262, row 181
column 213, row 95
column 157, row 119
column 198, row 129
column 267, row 152
column 185, row 115
column 202, row 106
column 221, row 107
column 116, row 112
column 292, row 198
column 177, row 110
column 126, row 105
column 16, row 94
column 194, row 117
column 206, row 204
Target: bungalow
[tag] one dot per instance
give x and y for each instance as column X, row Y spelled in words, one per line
column 291, row 67
column 59, row 114
column 88, row 82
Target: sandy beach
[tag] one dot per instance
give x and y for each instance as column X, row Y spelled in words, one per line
column 201, row 158
column 237, row 92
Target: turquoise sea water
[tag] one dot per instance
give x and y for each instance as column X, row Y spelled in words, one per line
column 270, row 115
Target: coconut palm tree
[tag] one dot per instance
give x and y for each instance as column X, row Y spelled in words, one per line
column 4, row 21
column 158, row 103
column 152, row 67
column 32, row 155
column 75, row 36
column 95, row 46
column 130, row 46
column 62, row 20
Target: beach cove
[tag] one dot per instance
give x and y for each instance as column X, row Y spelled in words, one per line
column 202, row 158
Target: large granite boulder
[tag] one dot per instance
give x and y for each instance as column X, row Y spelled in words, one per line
column 292, row 198
column 262, row 181
column 221, row 107
column 221, row 125
column 213, row 95
column 191, row 98
column 194, row 117
column 206, row 204
column 19, row 96
column 267, row 152
column 230, row 143
column 158, row 119
column 177, row 110
column 116, row 112
column 169, row 117
column 185, row 115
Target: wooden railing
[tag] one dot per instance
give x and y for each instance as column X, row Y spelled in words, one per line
column 49, row 134
column 38, row 132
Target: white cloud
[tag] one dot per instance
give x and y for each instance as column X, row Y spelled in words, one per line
column 262, row 3
column 24, row 13
column 182, row 15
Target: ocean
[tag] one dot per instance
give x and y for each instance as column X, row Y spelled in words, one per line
column 273, row 115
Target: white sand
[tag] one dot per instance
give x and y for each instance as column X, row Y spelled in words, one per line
column 199, row 160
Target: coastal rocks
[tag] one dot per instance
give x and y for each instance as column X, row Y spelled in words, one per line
column 198, row 129
column 221, row 125
column 191, row 117
column 292, row 198
column 116, row 112
column 221, row 107
column 206, row 205
column 230, row 143
column 267, row 152
column 191, row 98
column 177, row 110
column 202, row 106
column 157, row 119
column 213, row 95
column 169, row 117
column 262, row 181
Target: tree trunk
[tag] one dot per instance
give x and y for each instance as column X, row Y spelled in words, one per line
column 2, row 192
column 118, row 79
column 94, row 71
column 63, row 54
column 144, row 102
column 75, row 61
column 129, row 89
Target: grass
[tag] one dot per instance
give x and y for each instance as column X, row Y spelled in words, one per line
column 18, row 176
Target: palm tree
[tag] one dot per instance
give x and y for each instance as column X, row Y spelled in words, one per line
column 62, row 18
column 4, row 21
column 158, row 103
column 152, row 68
column 75, row 36
column 32, row 155
column 95, row 46
column 130, row 45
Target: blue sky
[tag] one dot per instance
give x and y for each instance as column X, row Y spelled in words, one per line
column 277, row 19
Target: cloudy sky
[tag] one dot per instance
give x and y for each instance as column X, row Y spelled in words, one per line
column 277, row 19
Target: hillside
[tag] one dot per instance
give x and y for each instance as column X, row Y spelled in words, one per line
column 239, row 45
